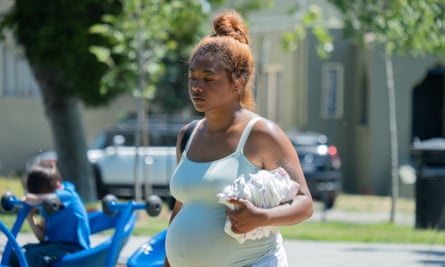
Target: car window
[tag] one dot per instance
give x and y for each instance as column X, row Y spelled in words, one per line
column 99, row 142
column 162, row 131
column 157, row 137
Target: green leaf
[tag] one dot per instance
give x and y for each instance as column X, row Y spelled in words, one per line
column 102, row 54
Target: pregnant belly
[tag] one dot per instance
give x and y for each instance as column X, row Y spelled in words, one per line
column 196, row 238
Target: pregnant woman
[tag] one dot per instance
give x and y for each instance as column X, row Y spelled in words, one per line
column 231, row 140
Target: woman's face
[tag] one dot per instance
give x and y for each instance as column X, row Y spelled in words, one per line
column 209, row 86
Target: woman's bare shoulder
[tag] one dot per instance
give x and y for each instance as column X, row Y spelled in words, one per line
column 266, row 135
column 267, row 129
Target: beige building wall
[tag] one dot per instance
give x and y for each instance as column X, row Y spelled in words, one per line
column 24, row 129
column 281, row 79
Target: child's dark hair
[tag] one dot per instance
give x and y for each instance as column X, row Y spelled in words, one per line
column 42, row 179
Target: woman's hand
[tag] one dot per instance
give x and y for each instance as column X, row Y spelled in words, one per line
column 245, row 217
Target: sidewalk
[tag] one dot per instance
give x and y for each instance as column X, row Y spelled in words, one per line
column 335, row 215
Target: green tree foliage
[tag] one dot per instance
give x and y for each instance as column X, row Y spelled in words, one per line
column 56, row 39
column 411, row 27
column 149, row 38
column 311, row 19
column 154, row 38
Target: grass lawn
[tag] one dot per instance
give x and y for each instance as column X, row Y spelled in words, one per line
column 311, row 230
column 377, row 232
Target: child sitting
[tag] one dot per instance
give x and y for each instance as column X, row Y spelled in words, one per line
column 65, row 231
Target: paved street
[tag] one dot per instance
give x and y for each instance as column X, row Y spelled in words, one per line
column 331, row 254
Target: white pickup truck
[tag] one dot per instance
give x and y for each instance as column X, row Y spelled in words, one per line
column 118, row 165
column 118, row 168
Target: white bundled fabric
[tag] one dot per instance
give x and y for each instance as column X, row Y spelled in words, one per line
column 265, row 189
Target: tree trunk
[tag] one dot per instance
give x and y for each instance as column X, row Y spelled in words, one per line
column 68, row 135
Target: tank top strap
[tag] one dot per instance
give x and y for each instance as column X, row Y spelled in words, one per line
column 246, row 133
column 189, row 141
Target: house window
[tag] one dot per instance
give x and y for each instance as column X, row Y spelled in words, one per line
column 332, row 91
column 16, row 77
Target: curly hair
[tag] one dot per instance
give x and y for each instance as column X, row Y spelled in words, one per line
column 229, row 44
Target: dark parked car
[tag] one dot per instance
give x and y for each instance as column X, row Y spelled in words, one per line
column 321, row 165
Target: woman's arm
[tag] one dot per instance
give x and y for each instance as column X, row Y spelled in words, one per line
column 269, row 147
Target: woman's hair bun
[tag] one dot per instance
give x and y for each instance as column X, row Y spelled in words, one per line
column 230, row 23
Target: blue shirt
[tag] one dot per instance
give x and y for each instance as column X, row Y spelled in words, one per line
column 70, row 223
